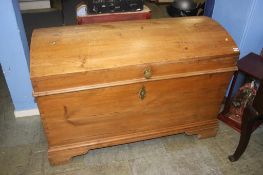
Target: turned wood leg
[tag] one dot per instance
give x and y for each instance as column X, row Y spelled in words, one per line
column 248, row 121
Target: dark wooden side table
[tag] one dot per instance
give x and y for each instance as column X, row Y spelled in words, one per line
column 252, row 114
column 251, row 65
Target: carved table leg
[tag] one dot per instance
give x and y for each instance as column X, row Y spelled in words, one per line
column 248, row 121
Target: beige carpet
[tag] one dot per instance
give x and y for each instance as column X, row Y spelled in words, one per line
column 23, row 150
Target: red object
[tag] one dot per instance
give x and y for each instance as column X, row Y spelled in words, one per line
column 112, row 17
column 244, row 97
column 251, row 65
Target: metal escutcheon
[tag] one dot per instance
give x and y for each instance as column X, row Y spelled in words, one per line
column 148, row 73
column 142, row 93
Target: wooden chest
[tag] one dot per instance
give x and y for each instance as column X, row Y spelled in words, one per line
column 113, row 83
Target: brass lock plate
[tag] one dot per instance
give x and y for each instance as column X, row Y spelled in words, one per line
column 142, row 93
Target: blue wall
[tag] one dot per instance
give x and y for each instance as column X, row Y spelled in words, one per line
column 253, row 36
column 242, row 19
column 14, row 54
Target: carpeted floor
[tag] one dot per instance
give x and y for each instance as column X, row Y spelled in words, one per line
column 23, row 149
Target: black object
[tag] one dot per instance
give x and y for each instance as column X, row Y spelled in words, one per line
column 98, row 6
column 201, row 9
column 111, row 6
column 40, row 18
column 69, row 11
column 181, row 8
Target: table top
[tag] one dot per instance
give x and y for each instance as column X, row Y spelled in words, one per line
column 252, row 64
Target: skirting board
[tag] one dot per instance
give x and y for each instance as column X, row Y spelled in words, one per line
column 26, row 113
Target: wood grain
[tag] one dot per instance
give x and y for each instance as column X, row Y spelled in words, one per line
column 127, row 82
column 74, row 49
column 63, row 154
column 129, row 74
column 87, row 79
column 100, row 113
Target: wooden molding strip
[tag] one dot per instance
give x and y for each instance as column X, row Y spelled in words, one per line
column 143, row 135
column 127, row 82
column 189, row 60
